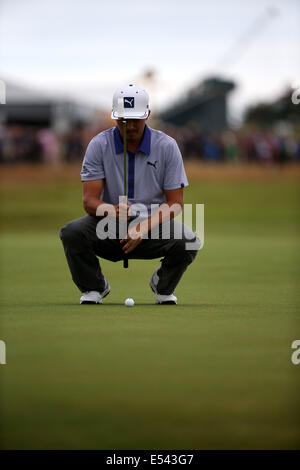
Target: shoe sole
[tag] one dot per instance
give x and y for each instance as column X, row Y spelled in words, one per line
column 106, row 292
column 168, row 302
column 152, row 286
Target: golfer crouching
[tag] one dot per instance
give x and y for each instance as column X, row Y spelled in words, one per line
column 133, row 184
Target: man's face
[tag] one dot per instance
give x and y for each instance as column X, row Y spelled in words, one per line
column 135, row 128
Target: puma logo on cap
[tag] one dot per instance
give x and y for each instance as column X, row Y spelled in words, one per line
column 128, row 102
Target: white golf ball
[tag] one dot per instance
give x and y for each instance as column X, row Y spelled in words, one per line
column 129, row 302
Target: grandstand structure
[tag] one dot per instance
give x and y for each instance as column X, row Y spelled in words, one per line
column 204, row 106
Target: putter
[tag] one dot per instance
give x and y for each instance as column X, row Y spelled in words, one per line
column 121, row 113
column 125, row 261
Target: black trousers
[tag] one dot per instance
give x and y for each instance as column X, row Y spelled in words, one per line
column 82, row 247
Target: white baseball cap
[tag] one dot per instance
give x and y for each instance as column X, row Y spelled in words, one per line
column 130, row 102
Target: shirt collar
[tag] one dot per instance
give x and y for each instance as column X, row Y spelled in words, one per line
column 144, row 147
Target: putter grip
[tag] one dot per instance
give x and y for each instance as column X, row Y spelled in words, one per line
column 125, row 263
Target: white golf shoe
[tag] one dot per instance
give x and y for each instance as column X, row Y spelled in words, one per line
column 166, row 299
column 161, row 299
column 94, row 297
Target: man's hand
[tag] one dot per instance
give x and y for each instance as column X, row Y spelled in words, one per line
column 132, row 240
column 122, row 211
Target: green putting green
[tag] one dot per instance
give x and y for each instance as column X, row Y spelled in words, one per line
column 214, row 371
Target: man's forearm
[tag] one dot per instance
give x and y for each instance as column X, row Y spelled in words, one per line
column 167, row 211
column 91, row 205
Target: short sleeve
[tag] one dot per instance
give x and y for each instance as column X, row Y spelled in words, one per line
column 92, row 166
column 174, row 176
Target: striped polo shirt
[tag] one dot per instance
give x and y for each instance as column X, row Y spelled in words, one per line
column 156, row 166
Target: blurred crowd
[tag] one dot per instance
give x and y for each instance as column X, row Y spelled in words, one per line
column 265, row 147
column 32, row 144
column 25, row 144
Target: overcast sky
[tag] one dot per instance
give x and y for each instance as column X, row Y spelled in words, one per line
column 87, row 48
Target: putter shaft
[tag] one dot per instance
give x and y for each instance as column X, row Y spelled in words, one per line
column 125, row 261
